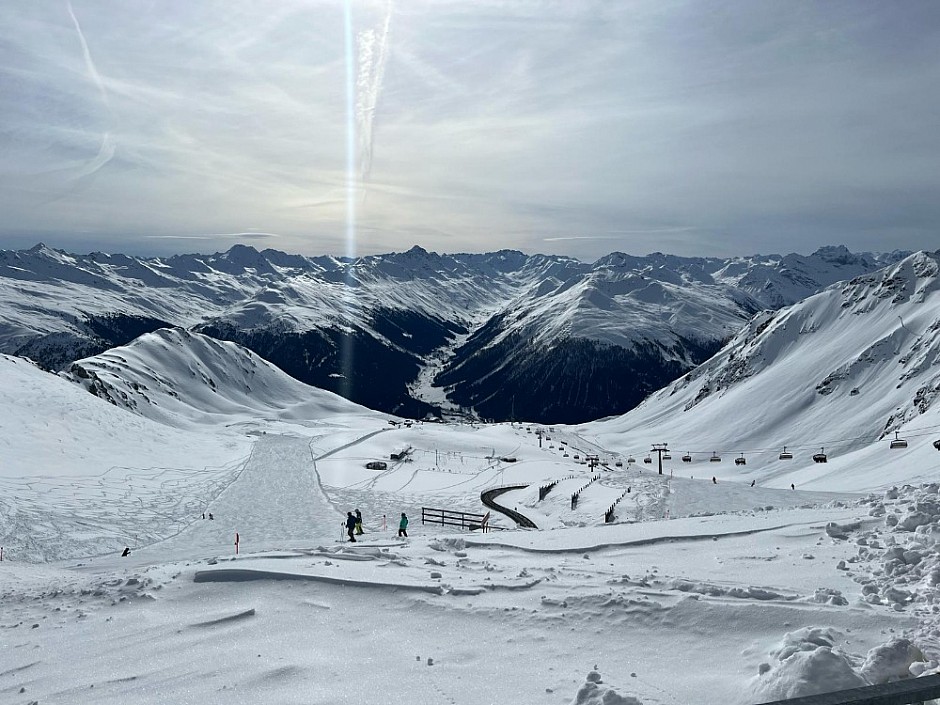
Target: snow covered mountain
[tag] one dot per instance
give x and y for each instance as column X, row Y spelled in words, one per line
column 500, row 334
column 179, row 377
column 836, row 374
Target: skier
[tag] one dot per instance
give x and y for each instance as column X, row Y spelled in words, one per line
column 210, row 515
column 792, row 487
column 350, row 526
column 403, row 526
column 752, row 482
column 714, row 480
column 126, row 552
column 358, row 522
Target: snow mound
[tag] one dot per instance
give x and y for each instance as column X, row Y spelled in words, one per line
column 805, row 663
column 891, row 661
column 808, row 662
column 594, row 692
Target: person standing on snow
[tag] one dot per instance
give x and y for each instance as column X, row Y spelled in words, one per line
column 350, row 526
column 359, row 522
column 403, row 526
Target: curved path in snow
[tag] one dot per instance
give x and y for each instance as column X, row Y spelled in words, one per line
column 488, row 497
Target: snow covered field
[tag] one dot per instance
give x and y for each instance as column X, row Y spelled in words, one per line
column 697, row 592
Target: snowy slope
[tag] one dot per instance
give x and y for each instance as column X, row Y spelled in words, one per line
column 175, row 376
column 789, row 592
column 842, row 370
column 69, row 454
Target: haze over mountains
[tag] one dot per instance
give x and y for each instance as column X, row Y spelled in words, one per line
column 499, row 335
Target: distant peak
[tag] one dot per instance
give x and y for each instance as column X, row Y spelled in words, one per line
column 836, row 254
column 241, row 250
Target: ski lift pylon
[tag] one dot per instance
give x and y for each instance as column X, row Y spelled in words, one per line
column 897, row 442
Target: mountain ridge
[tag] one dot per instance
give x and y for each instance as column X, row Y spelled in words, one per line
column 514, row 326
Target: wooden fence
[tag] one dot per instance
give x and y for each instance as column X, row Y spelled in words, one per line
column 448, row 517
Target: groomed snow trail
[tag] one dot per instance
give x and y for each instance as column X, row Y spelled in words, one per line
column 275, row 502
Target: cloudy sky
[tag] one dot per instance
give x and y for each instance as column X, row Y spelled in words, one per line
column 568, row 126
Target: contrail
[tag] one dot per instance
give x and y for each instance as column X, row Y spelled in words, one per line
column 89, row 63
column 107, row 147
column 373, row 55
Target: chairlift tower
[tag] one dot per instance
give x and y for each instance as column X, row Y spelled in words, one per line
column 659, row 449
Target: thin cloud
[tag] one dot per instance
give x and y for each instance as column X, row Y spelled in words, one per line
column 217, row 236
column 483, row 125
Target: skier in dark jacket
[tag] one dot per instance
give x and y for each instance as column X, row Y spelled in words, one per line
column 350, row 526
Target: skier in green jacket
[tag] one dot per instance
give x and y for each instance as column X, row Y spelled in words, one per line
column 403, row 526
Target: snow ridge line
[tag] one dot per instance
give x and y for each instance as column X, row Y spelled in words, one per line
column 634, row 542
column 487, row 497
column 237, row 575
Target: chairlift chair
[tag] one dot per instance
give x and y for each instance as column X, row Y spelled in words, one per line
column 618, row 464
column 631, row 460
column 936, row 444
column 686, row 458
column 740, row 460
column 897, row 442
column 786, row 455
column 647, row 460
column 820, row 457
column 666, row 456
column 715, row 458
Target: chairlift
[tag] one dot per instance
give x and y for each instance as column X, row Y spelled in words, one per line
column 647, row 460
column 936, row 444
column 715, row 458
column 740, row 460
column 897, row 442
column 577, row 457
column 666, row 456
column 786, row 455
column 565, row 455
column 632, row 460
column 618, row 464
column 820, row 457
column 687, row 458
